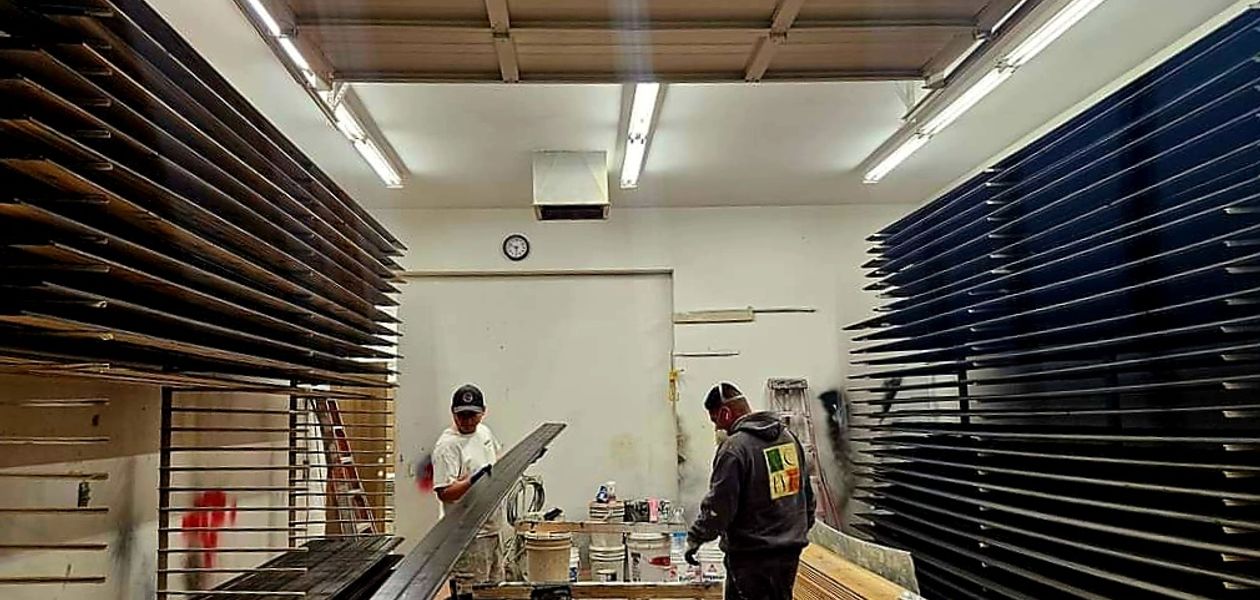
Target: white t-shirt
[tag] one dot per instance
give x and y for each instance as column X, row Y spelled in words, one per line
column 456, row 456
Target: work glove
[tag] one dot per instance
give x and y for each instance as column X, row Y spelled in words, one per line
column 482, row 472
column 690, row 556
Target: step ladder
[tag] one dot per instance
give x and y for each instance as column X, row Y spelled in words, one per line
column 345, row 486
column 790, row 398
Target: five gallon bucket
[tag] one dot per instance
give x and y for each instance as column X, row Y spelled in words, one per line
column 612, row 560
column 712, row 562
column 547, row 556
column 607, row 512
column 649, row 557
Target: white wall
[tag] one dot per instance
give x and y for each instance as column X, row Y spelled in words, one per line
column 721, row 258
column 131, row 421
column 543, row 349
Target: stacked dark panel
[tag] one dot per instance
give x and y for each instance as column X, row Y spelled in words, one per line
column 1058, row 397
column 150, row 218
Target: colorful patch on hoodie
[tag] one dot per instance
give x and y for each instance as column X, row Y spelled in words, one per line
column 785, row 471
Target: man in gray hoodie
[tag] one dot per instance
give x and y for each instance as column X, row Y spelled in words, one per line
column 760, row 501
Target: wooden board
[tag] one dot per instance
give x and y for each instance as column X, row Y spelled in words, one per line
column 823, row 575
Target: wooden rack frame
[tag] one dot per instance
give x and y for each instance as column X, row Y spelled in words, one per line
column 151, row 218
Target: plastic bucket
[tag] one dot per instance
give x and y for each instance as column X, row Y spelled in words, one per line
column 609, row 559
column 575, row 562
column 649, row 557
column 712, row 562
column 547, row 556
column 607, row 512
column 606, row 575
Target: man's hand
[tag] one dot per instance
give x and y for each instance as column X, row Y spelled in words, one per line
column 482, row 472
column 690, row 556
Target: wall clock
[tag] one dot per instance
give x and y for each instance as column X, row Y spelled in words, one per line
column 516, row 247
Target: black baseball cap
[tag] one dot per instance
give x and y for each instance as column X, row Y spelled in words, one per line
column 468, row 399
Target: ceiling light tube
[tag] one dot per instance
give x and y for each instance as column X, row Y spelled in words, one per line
column 638, row 130
column 294, row 54
column 963, row 103
column 268, row 21
column 374, row 157
column 898, row 156
column 632, row 166
column 348, row 124
column 1049, row 32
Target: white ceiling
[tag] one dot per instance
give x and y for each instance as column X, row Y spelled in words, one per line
column 468, row 145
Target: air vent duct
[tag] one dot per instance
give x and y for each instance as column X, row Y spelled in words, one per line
column 571, row 186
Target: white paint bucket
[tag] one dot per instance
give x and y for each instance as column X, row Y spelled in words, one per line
column 609, row 559
column 547, row 556
column 712, row 562
column 575, row 562
column 607, row 512
column 606, row 575
column 649, row 556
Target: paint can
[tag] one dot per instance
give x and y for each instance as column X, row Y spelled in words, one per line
column 611, row 559
column 712, row 562
column 649, row 557
column 606, row 575
column 607, row 512
column 575, row 562
column 547, row 556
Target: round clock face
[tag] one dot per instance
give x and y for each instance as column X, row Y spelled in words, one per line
column 516, row 247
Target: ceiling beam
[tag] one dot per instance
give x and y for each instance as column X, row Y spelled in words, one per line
column 873, row 74
column 545, row 27
column 504, row 47
column 784, row 16
column 961, row 48
column 997, row 11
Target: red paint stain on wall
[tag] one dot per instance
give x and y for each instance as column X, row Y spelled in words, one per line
column 216, row 509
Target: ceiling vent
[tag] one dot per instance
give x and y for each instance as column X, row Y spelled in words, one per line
column 571, row 186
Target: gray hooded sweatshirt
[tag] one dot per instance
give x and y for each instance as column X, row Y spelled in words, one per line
column 759, row 497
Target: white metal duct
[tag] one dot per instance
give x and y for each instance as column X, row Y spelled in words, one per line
column 571, row 186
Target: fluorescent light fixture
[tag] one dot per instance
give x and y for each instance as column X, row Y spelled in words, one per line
column 374, row 157
column 642, row 107
column 968, row 99
column 344, row 119
column 350, row 127
column 1026, row 50
column 295, row 55
column 898, row 156
column 263, row 15
column 1007, row 17
column 1049, row 32
column 348, row 124
column 632, row 166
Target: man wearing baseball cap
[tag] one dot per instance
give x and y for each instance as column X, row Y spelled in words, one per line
column 461, row 455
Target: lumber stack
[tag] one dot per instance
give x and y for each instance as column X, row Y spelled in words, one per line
column 823, row 575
